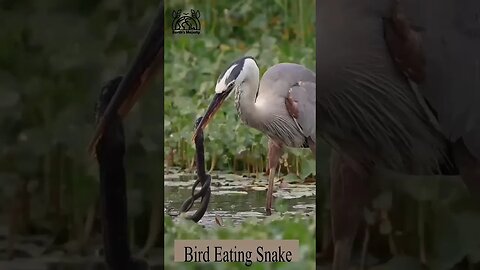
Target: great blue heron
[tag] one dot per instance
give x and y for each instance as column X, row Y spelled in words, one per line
column 399, row 88
column 281, row 105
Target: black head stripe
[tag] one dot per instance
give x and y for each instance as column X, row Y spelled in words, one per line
column 236, row 70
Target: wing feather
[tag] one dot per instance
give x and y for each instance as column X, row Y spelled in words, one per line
column 450, row 41
column 303, row 94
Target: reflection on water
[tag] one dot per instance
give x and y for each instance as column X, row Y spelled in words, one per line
column 237, row 198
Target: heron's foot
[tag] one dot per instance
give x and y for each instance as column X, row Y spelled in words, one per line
column 268, row 207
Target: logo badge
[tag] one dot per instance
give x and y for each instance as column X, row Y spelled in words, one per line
column 184, row 23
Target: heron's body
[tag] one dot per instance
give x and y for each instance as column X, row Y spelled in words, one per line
column 281, row 105
column 399, row 85
column 362, row 93
column 275, row 121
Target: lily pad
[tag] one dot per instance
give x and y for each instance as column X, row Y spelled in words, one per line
column 225, row 192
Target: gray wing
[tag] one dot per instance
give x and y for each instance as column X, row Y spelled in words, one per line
column 278, row 79
column 274, row 90
column 450, row 32
column 303, row 93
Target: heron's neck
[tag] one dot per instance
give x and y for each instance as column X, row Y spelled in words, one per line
column 245, row 102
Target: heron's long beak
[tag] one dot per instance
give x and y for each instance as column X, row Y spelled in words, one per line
column 216, row 103
column 148, row 60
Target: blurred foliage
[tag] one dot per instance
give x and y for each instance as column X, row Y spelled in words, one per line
column 418, row 222
column 274, row 227
column 54, row 58
column 272, row 32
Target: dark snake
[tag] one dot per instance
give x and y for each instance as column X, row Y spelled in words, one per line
column 203, row 178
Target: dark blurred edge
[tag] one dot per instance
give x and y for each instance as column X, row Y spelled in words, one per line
column 148, row 61
column 162, row 140
column 318, row 165
column 147, row 65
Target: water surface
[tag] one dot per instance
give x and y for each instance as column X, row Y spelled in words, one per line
column 238, row 197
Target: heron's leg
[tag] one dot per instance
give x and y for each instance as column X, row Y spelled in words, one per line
column 469, row 167
column 275, row 150
column 349, row 196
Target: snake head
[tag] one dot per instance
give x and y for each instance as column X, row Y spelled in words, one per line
column 197, row 122
column 106, row 94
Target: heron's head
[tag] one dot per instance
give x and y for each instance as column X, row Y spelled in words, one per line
column 243, row 70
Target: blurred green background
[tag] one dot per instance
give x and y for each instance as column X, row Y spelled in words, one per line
column 54, row 58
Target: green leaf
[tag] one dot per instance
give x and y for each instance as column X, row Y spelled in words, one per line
column 291, row 177
column 308, row 167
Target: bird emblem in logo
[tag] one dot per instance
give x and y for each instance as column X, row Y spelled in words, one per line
column 185, row 23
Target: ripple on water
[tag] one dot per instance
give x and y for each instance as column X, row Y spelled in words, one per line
column 236, row 198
